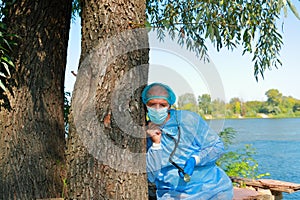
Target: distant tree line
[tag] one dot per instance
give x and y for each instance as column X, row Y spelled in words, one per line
column 276, row 105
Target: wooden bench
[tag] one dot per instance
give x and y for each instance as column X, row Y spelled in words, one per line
column 262, row 189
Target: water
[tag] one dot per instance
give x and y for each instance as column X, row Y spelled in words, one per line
column 277, row 144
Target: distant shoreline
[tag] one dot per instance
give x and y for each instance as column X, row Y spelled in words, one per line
column 258, row 116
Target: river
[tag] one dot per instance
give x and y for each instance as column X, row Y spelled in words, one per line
column 277, row 144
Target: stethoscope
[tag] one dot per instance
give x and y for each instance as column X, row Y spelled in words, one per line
column 186, row 177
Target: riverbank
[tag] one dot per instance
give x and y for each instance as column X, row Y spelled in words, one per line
column 257, row 116
column 276, row 143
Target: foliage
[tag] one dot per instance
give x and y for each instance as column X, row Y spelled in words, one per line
column 218, row 108
column 6, row 44
column 239, row 163
column 227, row 135
column 204, row 103
column 274, row 97
column 187, row 101
column 277, row 105
column 235, row 105
column 189, row 106
column 251, row 24
column 252, row 108
column 76, row 8
column 187, row 98
column 296, row 107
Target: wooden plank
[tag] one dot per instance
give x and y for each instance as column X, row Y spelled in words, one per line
column 280, row 189
column 274, row 185
column 244, row 194
column 52, row 199
column 281, row 184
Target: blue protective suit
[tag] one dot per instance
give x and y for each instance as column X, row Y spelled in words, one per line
column 196, row 139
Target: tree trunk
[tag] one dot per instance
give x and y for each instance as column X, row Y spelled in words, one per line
column 106, row 144
column 32, row 123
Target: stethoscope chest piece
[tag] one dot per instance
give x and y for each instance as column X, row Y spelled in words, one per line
column 186, row 178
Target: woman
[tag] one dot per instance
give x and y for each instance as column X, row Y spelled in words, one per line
column 182, row 151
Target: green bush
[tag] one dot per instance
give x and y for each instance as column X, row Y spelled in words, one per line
column 241, row 162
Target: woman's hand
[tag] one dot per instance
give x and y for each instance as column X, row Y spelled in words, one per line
column 154, row 132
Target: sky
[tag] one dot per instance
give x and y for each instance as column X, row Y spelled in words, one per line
column 228, row 75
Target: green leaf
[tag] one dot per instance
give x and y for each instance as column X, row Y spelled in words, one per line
column 2, row 86
column 8, row 61
column 211, row 33
column 2, row 74
column 7, row 44
column 199, row 15
column 285, row 11
column 6, row 67
column 148, row 26
column 293, row 9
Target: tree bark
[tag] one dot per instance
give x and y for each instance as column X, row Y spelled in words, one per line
column 32, row 134
column 106, row 144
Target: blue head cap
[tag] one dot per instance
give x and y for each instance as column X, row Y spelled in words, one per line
column 158, row 91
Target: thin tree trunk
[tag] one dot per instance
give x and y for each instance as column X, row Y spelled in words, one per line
column 106, row 144
column 32, row 139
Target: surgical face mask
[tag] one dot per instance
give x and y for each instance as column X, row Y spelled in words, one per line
column 157, row 116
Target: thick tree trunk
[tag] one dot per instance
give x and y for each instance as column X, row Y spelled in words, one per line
column 106, row 143
column 32, row 139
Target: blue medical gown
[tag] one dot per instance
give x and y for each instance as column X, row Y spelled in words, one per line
column 196, row 139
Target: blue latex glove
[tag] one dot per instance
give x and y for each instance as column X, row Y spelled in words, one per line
column 188, row 167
